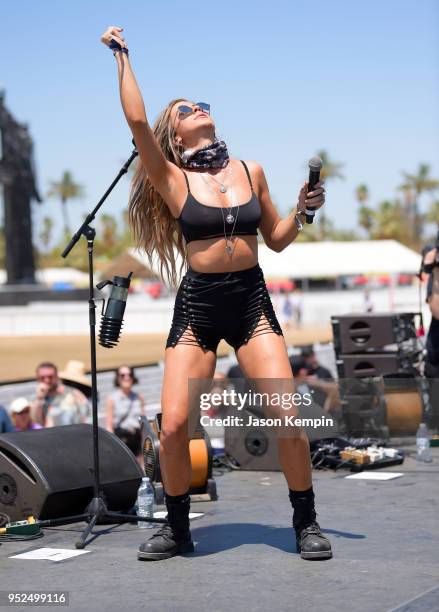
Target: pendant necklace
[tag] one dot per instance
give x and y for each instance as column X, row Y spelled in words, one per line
column 222, row 186
column 230, row 218
column 229, row 243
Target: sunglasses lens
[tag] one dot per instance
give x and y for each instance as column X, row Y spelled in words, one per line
column 184, row 109
column 204, row 106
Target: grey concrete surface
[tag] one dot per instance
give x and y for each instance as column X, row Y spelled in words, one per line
column 385, row 538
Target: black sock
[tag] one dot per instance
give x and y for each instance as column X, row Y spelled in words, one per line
column 177, row 499
column 178, row 507
column 300, row 498
column 303, row 506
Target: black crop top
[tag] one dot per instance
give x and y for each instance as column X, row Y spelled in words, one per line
column 199, row 221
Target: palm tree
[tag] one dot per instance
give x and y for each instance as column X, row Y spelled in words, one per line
column 366, row 218
column 46, row 232
column 390, row 222
column 413, row 187
column 65, row 189
column 330, row 170
column 109, row 231
column 365, row 214
column 362, row 194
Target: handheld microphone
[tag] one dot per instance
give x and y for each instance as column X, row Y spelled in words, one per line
column 315, row 165
column 112, row 320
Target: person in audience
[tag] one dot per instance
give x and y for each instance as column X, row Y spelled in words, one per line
column 368, row 304
column 219, row 385
column 235, row 371
column 313, row 365
column 74, row 376
column 56, row 403
column 297, row 303
column 287, row 310
column 20, row 410
column 123, row 409
column 6, row 425
column 324, row 392
column 300, row 373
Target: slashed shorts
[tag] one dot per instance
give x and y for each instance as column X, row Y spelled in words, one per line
column 210, row 306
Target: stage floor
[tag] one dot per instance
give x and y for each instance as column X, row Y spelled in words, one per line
column 385, row 539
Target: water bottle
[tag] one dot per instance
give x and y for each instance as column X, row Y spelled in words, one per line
column 145, row 502
column 423, row 452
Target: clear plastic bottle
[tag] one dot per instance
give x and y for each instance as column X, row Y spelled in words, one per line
column 423, row 452
column 145, row 502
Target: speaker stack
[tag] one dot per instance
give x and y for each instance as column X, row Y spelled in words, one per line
column 378, row 358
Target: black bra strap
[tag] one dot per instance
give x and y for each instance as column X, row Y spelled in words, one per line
column 248, row 173
column 187, row 181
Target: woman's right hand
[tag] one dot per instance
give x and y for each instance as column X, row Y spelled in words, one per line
column 113, row 33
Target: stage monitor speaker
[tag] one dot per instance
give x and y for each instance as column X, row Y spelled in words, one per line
column 355, row 333
column 373, row 364
column 254, row 446
column 48, row 473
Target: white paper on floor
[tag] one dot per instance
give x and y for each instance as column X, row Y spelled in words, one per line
column 375, row 475
column 163, row 513
column 52, row 554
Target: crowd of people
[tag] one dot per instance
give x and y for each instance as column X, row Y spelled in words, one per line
column 64, row 398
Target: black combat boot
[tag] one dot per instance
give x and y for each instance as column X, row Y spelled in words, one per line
column 310, row 541
column 173, row 537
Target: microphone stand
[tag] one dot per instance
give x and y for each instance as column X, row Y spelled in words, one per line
column 97, row 508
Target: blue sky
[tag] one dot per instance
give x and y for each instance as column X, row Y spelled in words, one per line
column 284, row 78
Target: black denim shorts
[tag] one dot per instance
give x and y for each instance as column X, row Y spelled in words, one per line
column 211, row 306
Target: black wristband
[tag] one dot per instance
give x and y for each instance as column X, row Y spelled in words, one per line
column 115, row 46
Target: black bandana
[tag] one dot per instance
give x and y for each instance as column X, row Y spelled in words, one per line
column 214, row 155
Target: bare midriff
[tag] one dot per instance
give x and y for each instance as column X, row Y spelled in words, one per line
column 209, row 255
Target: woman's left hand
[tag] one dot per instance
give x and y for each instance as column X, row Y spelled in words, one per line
column 314, row 199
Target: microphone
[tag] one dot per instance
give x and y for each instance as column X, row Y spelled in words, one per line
column 112, row 320
column 315, row 165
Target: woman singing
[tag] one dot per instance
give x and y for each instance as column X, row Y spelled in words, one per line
column 189, row 195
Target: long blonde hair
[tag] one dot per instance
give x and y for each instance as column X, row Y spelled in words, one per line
column 154, row 228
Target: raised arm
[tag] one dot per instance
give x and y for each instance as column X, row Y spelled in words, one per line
column 164, row 175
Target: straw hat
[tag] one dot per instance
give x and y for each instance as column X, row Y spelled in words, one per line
column 74, row 372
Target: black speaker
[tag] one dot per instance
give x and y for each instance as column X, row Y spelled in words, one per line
column 48, row 473
column 374, row 364
column 355, row 333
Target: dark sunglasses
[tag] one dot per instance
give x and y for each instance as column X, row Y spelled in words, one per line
column 125, row 375
column 185, row 110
